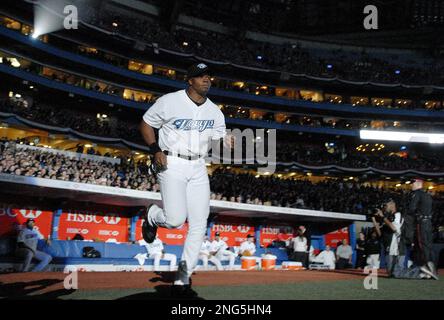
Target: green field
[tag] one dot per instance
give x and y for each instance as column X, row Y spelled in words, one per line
column 331, row 290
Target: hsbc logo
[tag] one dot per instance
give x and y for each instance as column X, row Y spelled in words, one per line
column 7, row 212
column 111, row 219
column 92, row 218
column 231, row 228
column 30, row 214
column 174, row 236
column 77, row 217
column 273, row 231
column 77, row 230
column 243, row 228
column 108, row 233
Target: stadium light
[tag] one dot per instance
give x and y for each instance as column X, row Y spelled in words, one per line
column 48, row 16
column 402, row 136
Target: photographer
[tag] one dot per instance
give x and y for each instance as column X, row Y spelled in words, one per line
column 388, row 227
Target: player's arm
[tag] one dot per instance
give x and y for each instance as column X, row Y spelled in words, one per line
column 154, row 118
column 149, row 136
column 220, row 132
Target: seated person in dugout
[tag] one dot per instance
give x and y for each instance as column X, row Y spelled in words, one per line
column 219, row 249
column 157, row 252
column 27, row 241
column 206, row 254
column 248, row 248
column 326, row 258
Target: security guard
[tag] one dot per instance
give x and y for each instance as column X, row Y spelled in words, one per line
column 420, row 215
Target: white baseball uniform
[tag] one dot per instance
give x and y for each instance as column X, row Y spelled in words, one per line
column 327, row 258
column 155, row 251
column 205, row 256
column 222, row 252
column 186, row 129
column 249, row 246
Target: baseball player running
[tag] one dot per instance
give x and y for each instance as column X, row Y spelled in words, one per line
column 206, row 255
column 187, row 121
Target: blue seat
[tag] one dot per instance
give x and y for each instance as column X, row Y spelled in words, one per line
column 71, row 252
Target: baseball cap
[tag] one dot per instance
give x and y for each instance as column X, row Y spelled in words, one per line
column 250, row 236
column 30, row 220
column 217, row 234
column 197, row 69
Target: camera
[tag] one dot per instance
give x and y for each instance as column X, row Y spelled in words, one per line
column 372, row 212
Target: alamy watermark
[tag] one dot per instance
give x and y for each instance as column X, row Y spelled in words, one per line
column 371, row 281
column 71, row 281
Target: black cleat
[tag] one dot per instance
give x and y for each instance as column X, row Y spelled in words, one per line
column 182, row 271
column 148, row 231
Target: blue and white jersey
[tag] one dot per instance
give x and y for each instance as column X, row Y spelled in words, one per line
column 184, row 127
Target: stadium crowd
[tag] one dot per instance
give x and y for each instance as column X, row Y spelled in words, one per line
column 41, row 164
column 289, row 57
column 317, row 155
column 287, row 150
column 227, row 185
column 225, row 84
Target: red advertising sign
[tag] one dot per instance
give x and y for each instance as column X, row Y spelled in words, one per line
column 168, row 236
column 11, row 219
column 94, row 226
column 232, row 233
column 272, row 233
column 334, row 237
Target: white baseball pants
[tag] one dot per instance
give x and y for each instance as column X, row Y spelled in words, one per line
column 227, row 255
column 373, row 261
column 185, row 191
column 166, row 256
column 205, row 258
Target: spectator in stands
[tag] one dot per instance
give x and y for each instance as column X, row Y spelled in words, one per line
column 299, row 245
column 157, row 252
column 27, row 241
column 373, row 250
column 360, row 251
column 326, row 257
column 344, row 254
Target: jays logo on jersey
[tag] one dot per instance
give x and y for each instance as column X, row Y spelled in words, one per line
column 190, row 124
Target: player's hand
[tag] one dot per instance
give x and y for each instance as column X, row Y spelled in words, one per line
column 229, row 141
column 160, row 159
